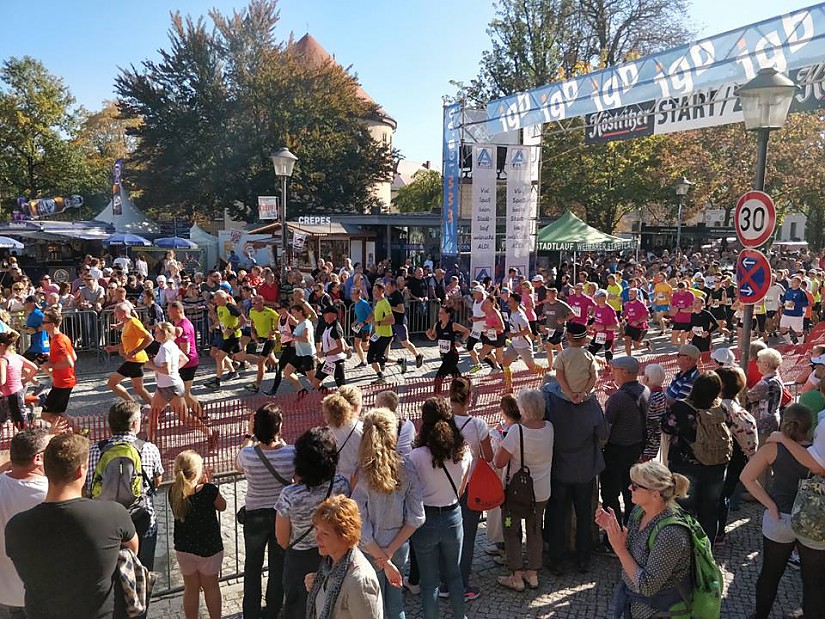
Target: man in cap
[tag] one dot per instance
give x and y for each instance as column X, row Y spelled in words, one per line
column 576, row 367
column 686, row 359
column 626, row 413
column 476, row 326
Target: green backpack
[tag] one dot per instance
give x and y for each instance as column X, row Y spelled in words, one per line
column 706, row 596
column 118, row 475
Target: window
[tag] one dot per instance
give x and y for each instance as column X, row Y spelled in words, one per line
column 793, row 231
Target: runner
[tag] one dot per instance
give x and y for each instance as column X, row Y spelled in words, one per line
column 662, row 295
column 38, row 351
column 581, row 305
column 332, row 355
column 62, row 359
column 187, row 341
column 230, row 321
column 540, row 292
column 493, row 338
column 476, row 327
column 556, row 314
column 286, row 323
column 304, row 341
column 399, row 326
column 134, row 339
column 444, row 332
column 772, row 302
column 264, row 327
column 605, row 325
column 382, row 318
column 520, row 342
column 636, row 315
column 614, row 294
column 360, row 327
column 702, row 325
column 794, row 302
column 681, row 308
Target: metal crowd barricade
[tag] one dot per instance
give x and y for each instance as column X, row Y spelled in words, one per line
column 421, row 315
column 199, row 317
column 83, row 328
column 109, row 334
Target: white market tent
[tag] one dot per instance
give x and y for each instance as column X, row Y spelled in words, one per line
column 208, row 244
column 131, row 219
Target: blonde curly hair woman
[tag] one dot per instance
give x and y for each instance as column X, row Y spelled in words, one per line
column 389, row 498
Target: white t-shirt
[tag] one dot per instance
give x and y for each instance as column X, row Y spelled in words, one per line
column 518, row 322
column 142, row 267
column 775, row 293
column 436, row 488
column 474, row 431
column 406, row 436
column 123, row 262
column 16, row 495
column 348, row 448
column 538, row 455
column 169, row 353
column 477, row 326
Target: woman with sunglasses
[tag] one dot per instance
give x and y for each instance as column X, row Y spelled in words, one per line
column 656, row 569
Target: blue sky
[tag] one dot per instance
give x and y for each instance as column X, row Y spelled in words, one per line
column 405, row 53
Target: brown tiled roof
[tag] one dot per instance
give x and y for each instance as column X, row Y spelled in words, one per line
column 314, row 54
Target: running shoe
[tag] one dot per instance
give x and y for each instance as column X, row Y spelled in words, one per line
column 363, row 364
column 793, row 561
column 252, row 387
column 475, row 369
column 403, row 363
column 443, row 592
column 213, row 384
column 471, row 593
column 231, row 376
column 419, row 360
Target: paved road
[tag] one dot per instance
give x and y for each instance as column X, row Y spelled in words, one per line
column 573, row 596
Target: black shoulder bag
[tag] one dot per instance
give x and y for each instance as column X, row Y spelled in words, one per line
column 519, row 495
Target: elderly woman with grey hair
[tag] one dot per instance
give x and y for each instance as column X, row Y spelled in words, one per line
column 527, row 444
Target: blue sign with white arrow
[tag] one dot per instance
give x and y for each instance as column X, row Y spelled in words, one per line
column 753, row 276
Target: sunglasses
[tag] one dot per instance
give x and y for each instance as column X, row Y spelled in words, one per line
column 634, row 486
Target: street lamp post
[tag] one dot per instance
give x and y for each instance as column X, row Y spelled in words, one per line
column 682, row 187
column 283, row 161
column 765, row 102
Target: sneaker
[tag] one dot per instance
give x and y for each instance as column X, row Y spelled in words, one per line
column 231, row 376
column 471, row 593
column 252, row 387
column 794, row 560
column 363, row 364
column 490, row 362
column 419, row 360
column 413, row 589
column 443, row 592
column 403, row 363
column 380, row 380
column 213, row 385
column 475, row 369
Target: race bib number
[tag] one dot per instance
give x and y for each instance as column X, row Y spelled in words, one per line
column 329, row 367
column 375, row 337
column 661, row 296
column 356, row 328
column 601, row 337
column 715, row 303
column 789, row 305
column 698, row 331
column 476, row 333
column 491, row 334
column 551, row 332
column 444, row 346
column 577, row 312
column 284, row 331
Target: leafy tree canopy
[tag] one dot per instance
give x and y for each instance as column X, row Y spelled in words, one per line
column 422, row 195
column 222, row 97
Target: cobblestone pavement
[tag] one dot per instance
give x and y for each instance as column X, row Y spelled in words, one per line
column 572, row 596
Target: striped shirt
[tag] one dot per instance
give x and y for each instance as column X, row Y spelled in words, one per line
column 681, row 384
column 262, row 489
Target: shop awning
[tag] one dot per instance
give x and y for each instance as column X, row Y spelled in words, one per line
column 333, row 230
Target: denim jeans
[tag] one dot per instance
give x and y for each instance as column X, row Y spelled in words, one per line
column 393, row 597
column 440, row 538
column 297, row 564
column 259, row 537
column 706, row 484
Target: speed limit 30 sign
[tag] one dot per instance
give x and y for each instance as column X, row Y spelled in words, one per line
column 754, row 219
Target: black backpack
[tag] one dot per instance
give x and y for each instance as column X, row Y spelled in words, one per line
column 519, row 496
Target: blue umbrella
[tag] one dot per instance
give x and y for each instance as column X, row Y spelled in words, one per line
column 123, row 239
column 175, row 242
column 9, row 243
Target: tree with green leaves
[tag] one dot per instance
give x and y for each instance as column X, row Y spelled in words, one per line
column 422, row 195
column 222, row 98
column 38, row 119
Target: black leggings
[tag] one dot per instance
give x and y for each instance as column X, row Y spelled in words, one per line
column 377, row 352
column 608, row 348
column 449, row 365
column 774, row 560
column 287, row 357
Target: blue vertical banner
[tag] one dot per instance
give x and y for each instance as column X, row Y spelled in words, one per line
column 452, row 180
column 117, row 201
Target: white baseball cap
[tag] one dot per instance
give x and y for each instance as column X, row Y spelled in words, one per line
column 479, row 289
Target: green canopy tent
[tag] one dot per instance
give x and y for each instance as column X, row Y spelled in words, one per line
column 570, row 234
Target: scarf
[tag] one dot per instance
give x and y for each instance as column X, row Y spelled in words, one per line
column 333, row 576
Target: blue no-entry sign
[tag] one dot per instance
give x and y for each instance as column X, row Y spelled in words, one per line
column 753, row 276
